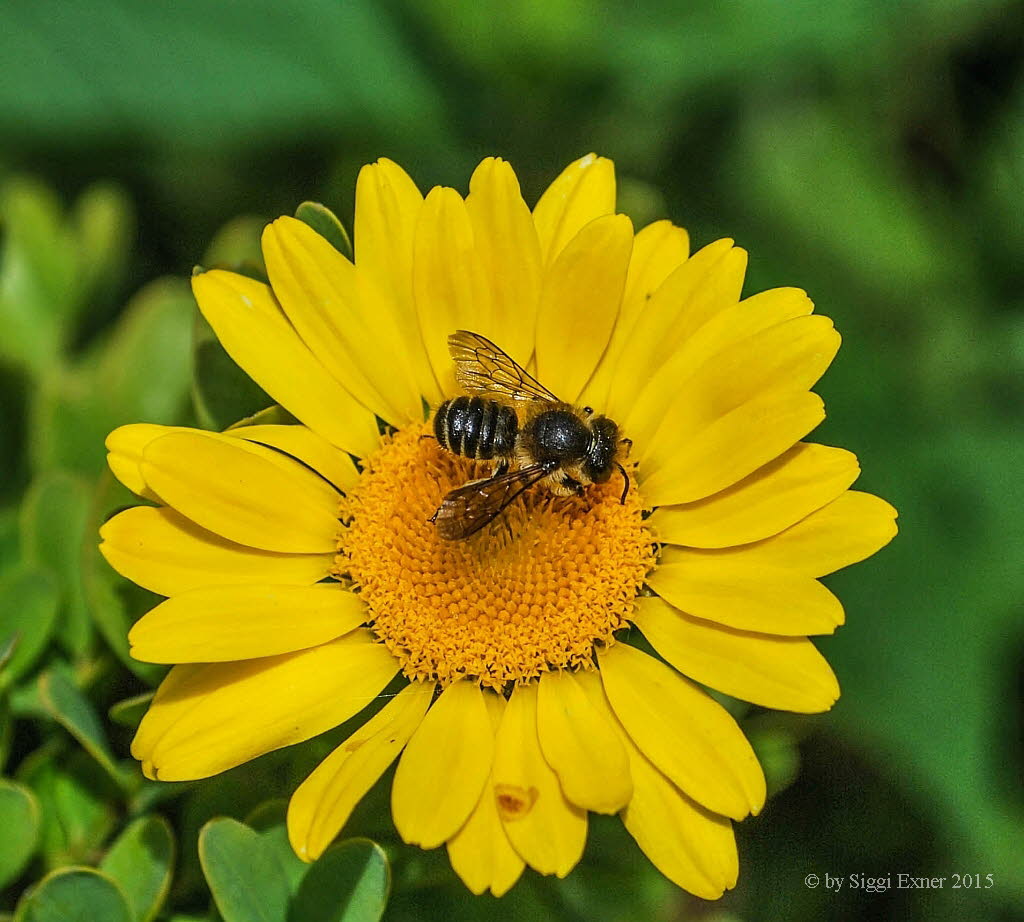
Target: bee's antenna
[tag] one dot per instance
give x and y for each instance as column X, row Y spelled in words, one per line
column 625, row 488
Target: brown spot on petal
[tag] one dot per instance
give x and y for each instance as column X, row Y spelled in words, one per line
column 514, row 802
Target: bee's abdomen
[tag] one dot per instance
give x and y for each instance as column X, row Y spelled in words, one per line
column 476, row 428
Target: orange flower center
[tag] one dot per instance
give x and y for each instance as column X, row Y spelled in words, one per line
column 534, row 591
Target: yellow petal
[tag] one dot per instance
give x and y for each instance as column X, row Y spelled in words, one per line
column 768, row 600
column 243, row 497
column 229, row 713
column 707, row 283
column 768, row 501
column 448, row 281
column 444, row 767
column 786, row 673
column 691, row 846
column 847, row 530
column 161, row 550
column 480, row 852
column 740, row 320
column 688, row 735
column 584, row 190
column 251, row 327
column 732, row 447
column 789, row 356
column 125, row 446
column 337, row 467
column 579, row 304
column 319, row 290
column 509, row 254
column 175, row 697
column 581, row 745
column 658, row 250
column 324, row 801
column 387, row 210
column 543, row 827
column 224, row 623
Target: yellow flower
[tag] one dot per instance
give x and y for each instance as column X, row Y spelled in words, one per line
column 301, row 584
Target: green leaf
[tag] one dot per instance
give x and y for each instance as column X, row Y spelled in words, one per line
column 28, row 610
column 326, row 223
column 244, row 873
column 237, row 246
column 348, row 883
column 236, row 82
column 140, row 372
column 73, row 711
column 19, row 820
column 37, row 274
column 271, row 416
column 103, row 221
column 74, row 895
column 10, row 536
column 142, row 862
column 77, row 803
column 54, row 520
column 222, row 393
column 130, row 711
column 143, row 370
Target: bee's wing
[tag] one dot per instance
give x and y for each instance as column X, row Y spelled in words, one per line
column 482, row 368
column 469, row 508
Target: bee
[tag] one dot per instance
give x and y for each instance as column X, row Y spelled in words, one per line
column 509, row 417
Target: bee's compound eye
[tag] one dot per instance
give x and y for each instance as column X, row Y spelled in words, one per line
column 589, row 411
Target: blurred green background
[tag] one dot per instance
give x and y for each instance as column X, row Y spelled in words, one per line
column 869, row 152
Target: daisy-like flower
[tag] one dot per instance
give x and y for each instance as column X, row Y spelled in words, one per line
column 304, row 575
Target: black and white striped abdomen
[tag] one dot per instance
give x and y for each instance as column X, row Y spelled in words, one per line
column 476, row 428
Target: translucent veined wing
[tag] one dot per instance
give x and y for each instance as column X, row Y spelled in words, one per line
column 482, row 368
column 469, row 508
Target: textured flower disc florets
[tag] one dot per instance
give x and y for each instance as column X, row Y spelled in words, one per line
column 532, row 592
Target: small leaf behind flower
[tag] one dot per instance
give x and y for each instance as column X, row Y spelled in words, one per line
column 72, row 710
column 19, row 820
column 141, row 861
column 327, row 224
column 28, row 610
column 350, row 882
column 74, row 895
column 244, row 873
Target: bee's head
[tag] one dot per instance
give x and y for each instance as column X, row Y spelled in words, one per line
column 602, row 453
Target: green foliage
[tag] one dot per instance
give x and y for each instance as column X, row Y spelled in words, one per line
column 74, row 895
column 19, row 819
column 325, row 222
column 255, row 877
column 348, row 883
column 28, row 610
column 141, row 861
column 245, row 872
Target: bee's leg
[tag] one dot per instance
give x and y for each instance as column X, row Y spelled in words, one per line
column 625, row 488
column 571, row 486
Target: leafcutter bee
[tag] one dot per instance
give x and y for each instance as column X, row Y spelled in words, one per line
column 509, row 417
